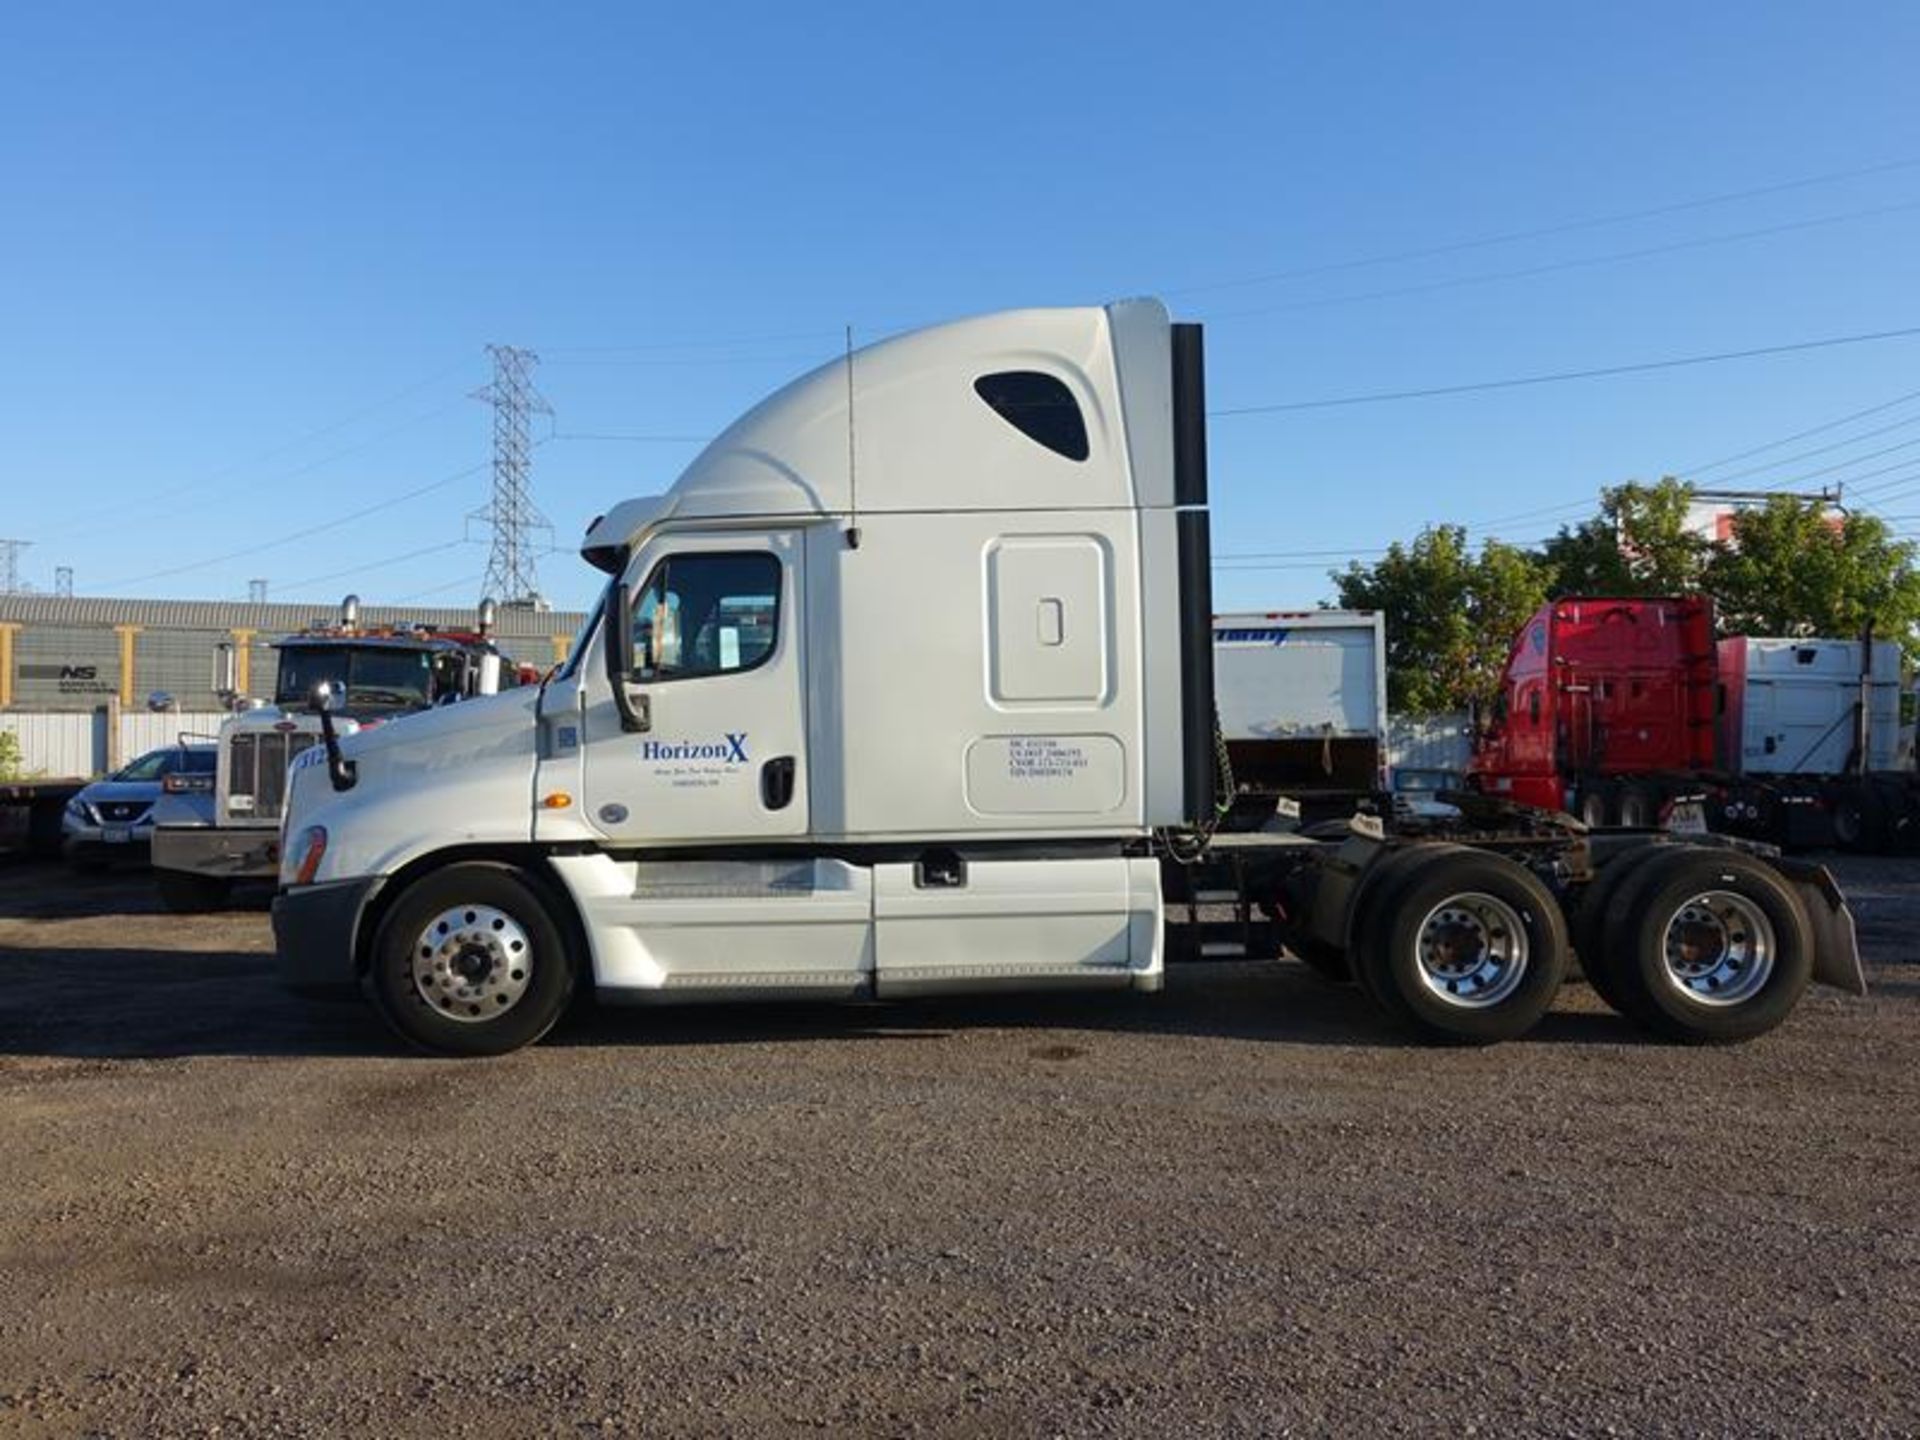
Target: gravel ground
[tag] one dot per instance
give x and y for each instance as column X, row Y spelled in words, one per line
column 1240, row 1207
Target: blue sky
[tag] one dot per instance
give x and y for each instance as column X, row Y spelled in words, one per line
column 250, row 256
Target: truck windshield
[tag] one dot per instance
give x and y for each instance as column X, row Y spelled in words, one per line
column 372, row 678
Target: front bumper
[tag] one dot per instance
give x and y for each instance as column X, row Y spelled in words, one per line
column 314, row 932
column 230, row 852
column 86, row 841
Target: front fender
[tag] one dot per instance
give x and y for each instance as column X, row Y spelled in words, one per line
column 459, row 776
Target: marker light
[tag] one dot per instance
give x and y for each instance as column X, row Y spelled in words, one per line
column 304, row 855
column 558, row 800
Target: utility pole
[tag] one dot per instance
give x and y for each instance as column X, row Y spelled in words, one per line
column 512, row 515
column 10, row 565
column 63, row 581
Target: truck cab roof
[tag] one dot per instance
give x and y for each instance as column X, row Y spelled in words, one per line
column 1053, row 409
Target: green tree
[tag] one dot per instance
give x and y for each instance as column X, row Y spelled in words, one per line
column 1793, row 569
column 1638, row 544
column 1451, row 614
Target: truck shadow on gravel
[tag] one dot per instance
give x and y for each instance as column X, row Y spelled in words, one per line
column 81, row 1003
column 57, row 892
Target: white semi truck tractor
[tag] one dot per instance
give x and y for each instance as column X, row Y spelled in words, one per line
column 904, row 688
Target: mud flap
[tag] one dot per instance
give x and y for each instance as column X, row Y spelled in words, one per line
column 1836, row 949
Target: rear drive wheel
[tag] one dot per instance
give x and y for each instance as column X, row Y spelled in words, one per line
column 1468, row 948
column 186, row 893
column 1708, row 946
column 1588, row 927
column 1378, row 894
column 470, row 961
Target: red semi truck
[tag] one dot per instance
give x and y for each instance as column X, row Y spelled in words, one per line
column 1614, row 708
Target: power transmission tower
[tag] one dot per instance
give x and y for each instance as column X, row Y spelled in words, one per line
column 256, row 592
column 512, row 515
column 10, row 565
column 63, row 581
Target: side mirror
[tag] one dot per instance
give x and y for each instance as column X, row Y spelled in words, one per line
column 617, row 642
column 341, row 772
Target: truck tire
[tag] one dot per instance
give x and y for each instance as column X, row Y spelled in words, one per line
column 1639, row 808
column 469, row 960
column 1376, row 897
column 1707, row 946
column 1859, row 822
column 1588, row 926
column 1468, row 948
column 185, row 892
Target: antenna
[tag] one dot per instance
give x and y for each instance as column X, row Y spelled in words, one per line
column 853, row 479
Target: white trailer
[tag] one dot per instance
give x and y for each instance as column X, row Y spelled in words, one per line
column 1815, row 742
column 1302, row 697
column 904, row 688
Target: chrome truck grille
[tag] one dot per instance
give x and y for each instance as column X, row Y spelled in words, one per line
column 257, row 773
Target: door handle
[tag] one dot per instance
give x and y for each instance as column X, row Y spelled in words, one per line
column 776, row 782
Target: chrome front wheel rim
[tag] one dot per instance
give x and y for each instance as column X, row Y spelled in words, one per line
column 1471, row 950
column 1718, row 948
column 472, row 963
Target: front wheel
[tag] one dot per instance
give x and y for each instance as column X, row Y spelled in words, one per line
column 1468, row 948
column 470, row 961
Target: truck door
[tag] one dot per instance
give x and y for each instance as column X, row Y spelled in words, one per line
column 718, row 667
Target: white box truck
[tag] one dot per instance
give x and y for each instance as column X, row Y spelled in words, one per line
column 1302, row 697
column 905, row 688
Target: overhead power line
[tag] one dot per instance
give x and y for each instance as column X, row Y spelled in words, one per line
column 1559, row 376
column 1820, row 429
column 442, row 483
column 1541, row 232
column 635, row 439
column 379, row 564
column 1827, row 449
column 1557, row 266
column 85, row 518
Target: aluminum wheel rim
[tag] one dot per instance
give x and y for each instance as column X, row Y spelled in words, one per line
column 1718, row 948
column 472, row 963
column 1471, row 950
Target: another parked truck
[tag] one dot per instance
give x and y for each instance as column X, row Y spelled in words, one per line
column 1302, row 698
column 206, row 838
column 1611, row 709
column 904, row 688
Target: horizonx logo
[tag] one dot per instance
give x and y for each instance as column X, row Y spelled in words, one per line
column 732, row 749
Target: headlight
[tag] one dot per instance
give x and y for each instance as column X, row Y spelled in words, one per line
column 300, row 861
column 77, row 808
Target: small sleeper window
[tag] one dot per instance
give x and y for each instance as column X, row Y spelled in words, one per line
column 1041, row 407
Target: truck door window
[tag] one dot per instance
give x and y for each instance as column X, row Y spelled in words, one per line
column 706, row 614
